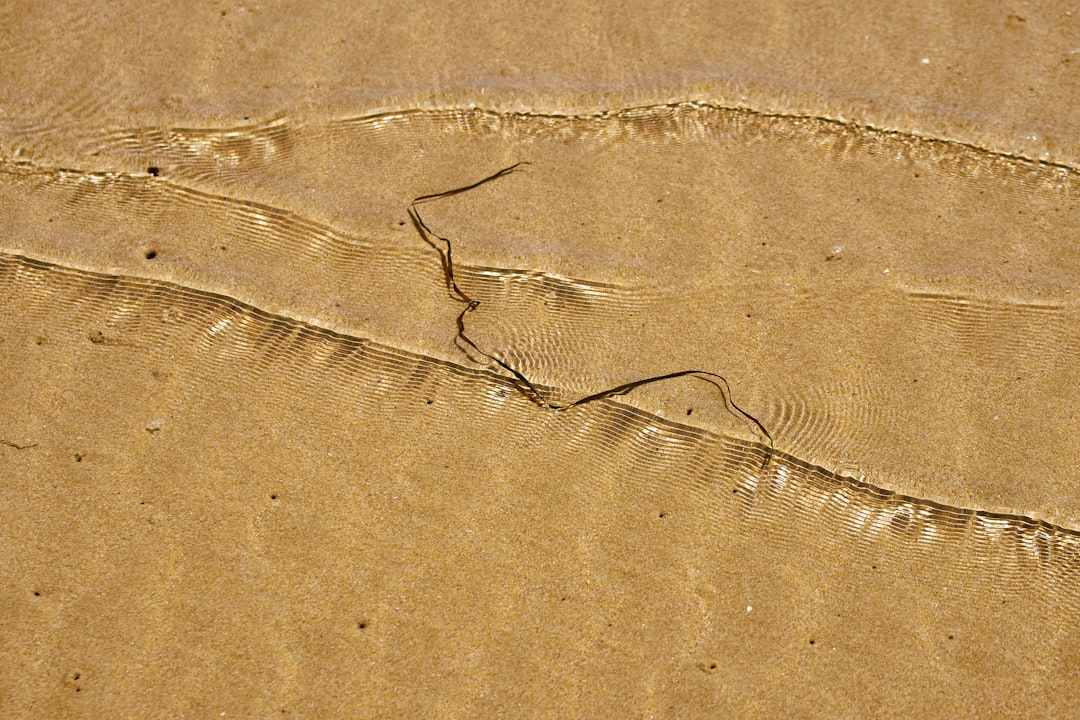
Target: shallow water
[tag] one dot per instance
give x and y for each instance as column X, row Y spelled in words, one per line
column 247, row 468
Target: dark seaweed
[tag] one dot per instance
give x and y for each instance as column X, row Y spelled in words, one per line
column 445, row 249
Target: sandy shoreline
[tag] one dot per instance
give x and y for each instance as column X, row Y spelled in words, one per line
column 246, row 470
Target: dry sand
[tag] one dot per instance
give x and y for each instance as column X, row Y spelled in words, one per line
column 246, row 470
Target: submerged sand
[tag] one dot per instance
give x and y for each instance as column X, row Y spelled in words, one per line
column 247, row 469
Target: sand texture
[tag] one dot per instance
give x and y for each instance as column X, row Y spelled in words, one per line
column 250, row 468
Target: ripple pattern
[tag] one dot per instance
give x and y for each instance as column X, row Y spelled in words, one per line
column 624, row 442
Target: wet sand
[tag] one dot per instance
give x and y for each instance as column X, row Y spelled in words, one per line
column 247, row 467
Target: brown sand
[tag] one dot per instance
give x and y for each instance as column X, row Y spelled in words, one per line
column 246, row 471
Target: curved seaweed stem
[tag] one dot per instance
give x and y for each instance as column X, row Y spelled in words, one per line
column 446, row 255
